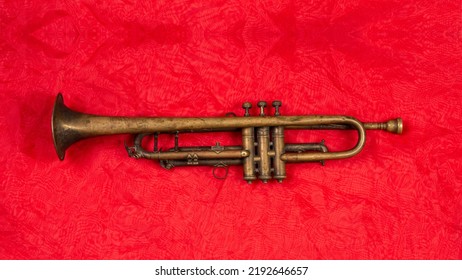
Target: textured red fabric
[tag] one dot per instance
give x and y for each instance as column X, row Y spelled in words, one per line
column 398, row 199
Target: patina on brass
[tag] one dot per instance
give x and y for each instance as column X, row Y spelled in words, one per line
column 263, row 153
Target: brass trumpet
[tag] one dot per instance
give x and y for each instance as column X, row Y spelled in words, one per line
column 263, row 152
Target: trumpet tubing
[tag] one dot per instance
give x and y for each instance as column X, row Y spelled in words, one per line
column 263, row 153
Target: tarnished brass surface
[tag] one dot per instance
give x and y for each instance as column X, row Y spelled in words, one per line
column 263, row 157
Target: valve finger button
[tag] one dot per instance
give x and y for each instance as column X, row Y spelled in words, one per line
column 262, row 105
column 246, row 106
column 277, row 104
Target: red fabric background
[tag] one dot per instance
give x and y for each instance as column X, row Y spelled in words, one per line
column 400, row 198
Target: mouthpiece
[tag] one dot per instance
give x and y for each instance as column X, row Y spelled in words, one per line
column 395, row 126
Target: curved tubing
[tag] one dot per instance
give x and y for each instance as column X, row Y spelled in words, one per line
column 319, row 156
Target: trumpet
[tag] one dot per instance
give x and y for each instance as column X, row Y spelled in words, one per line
column 263, row 152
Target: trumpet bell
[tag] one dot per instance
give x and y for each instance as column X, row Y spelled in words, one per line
column 64, row 134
